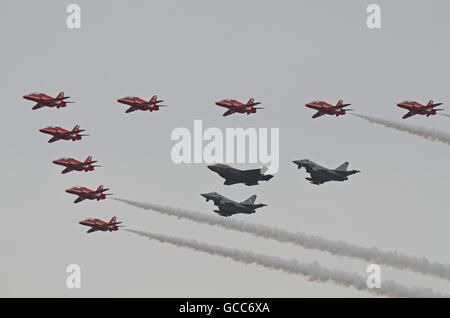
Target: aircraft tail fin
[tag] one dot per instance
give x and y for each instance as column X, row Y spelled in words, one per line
column 100, row 188
column 430, row 102
column 343, row 167
column 251, row 101
column 250, row 200
column 60, row 95
column 113, row 220
column 340, row 102
column 153, row 99
column 88, row 159
column 77, row 127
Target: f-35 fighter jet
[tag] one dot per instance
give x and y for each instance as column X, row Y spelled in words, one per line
column 229, row 207
column 233, row 176
column 321, row 174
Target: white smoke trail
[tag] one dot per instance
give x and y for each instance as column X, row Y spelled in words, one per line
column 430, row 134
column 372, row 254
column 314, row 271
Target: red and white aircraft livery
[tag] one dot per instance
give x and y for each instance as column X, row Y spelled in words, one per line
column 59, row 133
column 137, row 103
column 88, row 194
column 43, row 100
column 415, row 108
column 323, row 108
column 99, row 225
column 76, row 165
column 235, row 106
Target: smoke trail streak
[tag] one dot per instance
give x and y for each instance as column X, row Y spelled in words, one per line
column 372, row 254
column 430, row 134
column 314, row 271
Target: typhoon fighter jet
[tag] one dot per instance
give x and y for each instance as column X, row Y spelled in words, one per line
column 43, row 100
column 100, row 225
column 319, row 174
column 233, row 175
column 229, row 207
column 415, row 108
column 235, row 106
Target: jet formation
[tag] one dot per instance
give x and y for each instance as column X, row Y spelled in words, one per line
column 231, row 176
column 319, row 174
column 229, row 207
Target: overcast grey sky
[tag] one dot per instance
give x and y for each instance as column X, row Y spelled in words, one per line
column 192, row 53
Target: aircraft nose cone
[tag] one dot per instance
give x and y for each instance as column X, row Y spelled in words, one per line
column 213, row 168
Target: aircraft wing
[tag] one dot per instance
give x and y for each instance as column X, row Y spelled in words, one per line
column 92, row 229
column 53, row 100
column 37, row 106
column 241, row 106
column 429, row 107
column 228, row 112
column 82, row 164
column 79, row 199
column 94, row 193
column 254, row 173
column 53, row 139
column 318, row 114
column 319, row 176
column 230, row 182
column 69, row 133
column 131, row 109
column 66, row 170
column 336, row 107
column 409, row 114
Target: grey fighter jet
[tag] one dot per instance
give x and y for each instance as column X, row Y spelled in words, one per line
column 321, row 174
column 233, row 175
column 229, row 207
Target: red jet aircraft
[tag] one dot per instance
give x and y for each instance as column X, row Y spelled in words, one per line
column 137, row 103
column 99, row 225
column 85, row 193
column 235, row 106
column 43, row 100
column 415, row 108
column 59, row 133
column 76, row 165
column 323, row 108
